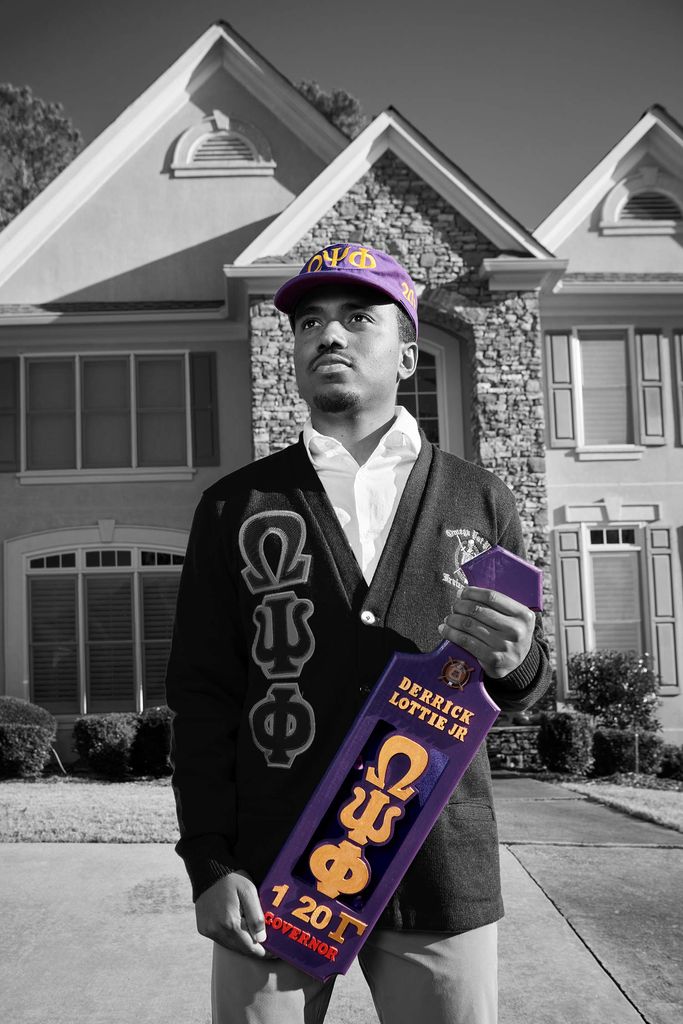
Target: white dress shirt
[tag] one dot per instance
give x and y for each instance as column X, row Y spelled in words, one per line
column 365, row 498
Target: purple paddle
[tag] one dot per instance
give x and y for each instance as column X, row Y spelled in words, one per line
column 410, row 745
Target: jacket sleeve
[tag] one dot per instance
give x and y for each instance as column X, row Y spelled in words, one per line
column 205, row 684
column 528, row 682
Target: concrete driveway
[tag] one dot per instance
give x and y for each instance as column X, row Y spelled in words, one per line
column 104, row 934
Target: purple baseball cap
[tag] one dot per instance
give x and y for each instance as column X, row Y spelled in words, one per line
column 351, row 263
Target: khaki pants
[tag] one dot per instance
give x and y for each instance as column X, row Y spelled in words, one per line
column 414, row 978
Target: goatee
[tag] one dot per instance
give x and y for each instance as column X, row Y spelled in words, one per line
column 337, row 401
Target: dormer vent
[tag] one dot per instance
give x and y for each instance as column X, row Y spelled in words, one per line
column 647, row 202
column 222, row 146
column 650, row 206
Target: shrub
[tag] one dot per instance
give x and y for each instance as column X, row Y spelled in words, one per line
column 671, row 766
column 105, row 742
column 151, row 750
column 614, row 751
column 26, row 735
column 565, row 742
column 618, row 689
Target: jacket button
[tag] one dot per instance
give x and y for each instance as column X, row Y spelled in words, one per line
column 367, row 617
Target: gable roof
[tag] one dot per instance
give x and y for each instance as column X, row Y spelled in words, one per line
column 219, row 46
column 656, row 126
column 391, row 131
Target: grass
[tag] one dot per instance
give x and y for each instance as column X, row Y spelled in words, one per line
column 79, row 809
column 663, row 806
column 82, row 810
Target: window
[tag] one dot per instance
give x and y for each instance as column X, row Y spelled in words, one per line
column 606, row 388
column 419, row 395
column 605, row 391
column 617, row 602
column 615, row 589
column 103, row 413
column 100, row 626
column 222, row 146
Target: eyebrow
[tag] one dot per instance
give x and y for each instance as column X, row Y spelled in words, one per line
column 307, row 310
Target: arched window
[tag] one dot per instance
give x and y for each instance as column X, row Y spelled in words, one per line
column 97, row 617
column 221, row 146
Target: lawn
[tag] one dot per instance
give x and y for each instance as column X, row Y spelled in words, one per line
column 77, row 809
column 662, row 806
column 81, row 810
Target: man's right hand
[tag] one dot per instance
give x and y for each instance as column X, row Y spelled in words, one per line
column 229, row 912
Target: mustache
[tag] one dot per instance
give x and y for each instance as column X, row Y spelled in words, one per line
column 329, row 357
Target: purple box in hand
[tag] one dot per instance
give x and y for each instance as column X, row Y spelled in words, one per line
column 412, row 742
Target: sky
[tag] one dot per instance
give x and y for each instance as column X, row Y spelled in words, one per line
column 526, row 96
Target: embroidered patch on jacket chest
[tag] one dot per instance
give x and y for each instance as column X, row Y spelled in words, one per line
column 462, row 544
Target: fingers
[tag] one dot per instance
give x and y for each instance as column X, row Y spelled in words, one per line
column 492, row 627
column 251, row 911
column 229, row 912
column 496, row 604
column 476, row 618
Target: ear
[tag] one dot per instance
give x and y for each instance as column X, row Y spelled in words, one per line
column 408, row 361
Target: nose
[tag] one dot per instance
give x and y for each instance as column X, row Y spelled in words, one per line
column 332, row 336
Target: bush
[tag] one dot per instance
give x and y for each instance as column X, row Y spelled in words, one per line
column 671, row 766
column 26, row 735
column 151, row 750
column 106, row 741
column 565, row 742
column 614, row 751
column 618, row 689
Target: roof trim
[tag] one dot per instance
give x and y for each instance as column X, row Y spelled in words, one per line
column 567, row 217
column 156, row 105
column 391, row 131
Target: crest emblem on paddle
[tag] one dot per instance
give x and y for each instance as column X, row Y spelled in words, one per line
column 456, row 673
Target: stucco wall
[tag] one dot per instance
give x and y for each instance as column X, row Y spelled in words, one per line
column 589, row 251
column 145, row 236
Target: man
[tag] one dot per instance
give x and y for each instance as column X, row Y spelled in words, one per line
column 305, row 571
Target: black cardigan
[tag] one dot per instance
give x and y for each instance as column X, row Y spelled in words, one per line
column 238, row 790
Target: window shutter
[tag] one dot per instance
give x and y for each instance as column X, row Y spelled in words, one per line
column 204, row 409
column 9, row 415
column 571, row 600
column 561, row 390
column 665, row 641
column 678, row 362
column 650, row 387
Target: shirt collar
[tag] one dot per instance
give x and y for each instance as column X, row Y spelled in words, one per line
column 403, row 434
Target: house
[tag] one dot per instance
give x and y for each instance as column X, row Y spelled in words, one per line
column 613, row 359
column 141, row 358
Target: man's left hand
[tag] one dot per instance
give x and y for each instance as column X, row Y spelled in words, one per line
column 494, row 628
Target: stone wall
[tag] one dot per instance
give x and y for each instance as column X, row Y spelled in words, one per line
column 392, row 209
column 277, row 411
column 514, row 746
